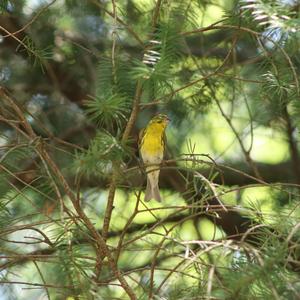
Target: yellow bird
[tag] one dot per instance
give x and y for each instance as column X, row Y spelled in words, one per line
column 152, row 147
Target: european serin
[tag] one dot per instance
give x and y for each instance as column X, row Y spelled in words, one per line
column 152, row 147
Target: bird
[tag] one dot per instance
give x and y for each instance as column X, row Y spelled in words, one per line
column 152, row 145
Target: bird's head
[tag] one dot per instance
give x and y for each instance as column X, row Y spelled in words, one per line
column 160, row 119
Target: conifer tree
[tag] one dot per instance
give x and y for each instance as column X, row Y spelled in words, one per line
column 79, row 80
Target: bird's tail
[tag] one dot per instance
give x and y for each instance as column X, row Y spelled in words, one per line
column 152, row 189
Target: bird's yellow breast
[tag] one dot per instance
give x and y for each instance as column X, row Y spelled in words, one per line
column 152, row 141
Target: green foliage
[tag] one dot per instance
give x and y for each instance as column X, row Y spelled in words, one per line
column 104, row 153
column 115, row 78
column 201, row 99
column 5, row 215
column 34, row 53
column 14, row 157
column 3, row 6
column 158, row 76
column 274, row 14
column 161, row 56
column 107, row 110
column 276, row 86
column 72, row 271
column 275, row 94
column 259, row 275
column 114, row 91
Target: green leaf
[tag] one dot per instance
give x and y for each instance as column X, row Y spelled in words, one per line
column 3, row 6
column 36, row 54
column 107, row 110
column 104, row 153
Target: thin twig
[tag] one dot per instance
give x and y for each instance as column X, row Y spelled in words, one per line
column 156, row 14
column 129, row 29
column 257, row 35
column 42, row 10
column 43, row 279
